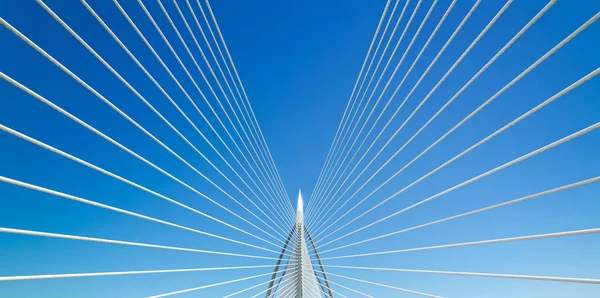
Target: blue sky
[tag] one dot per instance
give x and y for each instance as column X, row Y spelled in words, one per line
column 298, row 62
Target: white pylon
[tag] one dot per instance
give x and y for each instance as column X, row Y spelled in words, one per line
column 300, row 273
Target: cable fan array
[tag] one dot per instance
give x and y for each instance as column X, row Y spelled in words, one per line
column 356, row 169
column 169, row 78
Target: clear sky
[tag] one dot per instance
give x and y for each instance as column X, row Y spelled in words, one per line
column 299, row 61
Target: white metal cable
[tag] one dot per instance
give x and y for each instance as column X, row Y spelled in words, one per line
column 287, row 280
column 165, row 39
column 263, row 154
column 286, row 288
column 333, row 171
column 309, row 289
column 417, row 58
column 484, row 209
column 310, row 202
column 480, row 274
column 408, row 48
column 208, row 286
column 440, row 52
column 119, row 145
column 112, row 175
column 263, row 144
column 246, row 104
column 176, row 81
column 456, row 63
column 483, row 175
column 123, row 211
column 197, row 88
column 364, row 108
column 278, row 216
column 341, row 140
column 335, row 157
column 497, row 94
column 258, row 152
column 352, row 112
column 58, row 64
column 259, row 293
column 126, row 243
column 348, row 288
column 307, row 269
column 289, row 284
column 472, row 243
column 74, row 34
column 120, row 273
column 344, row 287
column 320, row 285
column 247, row 120
column 386, row 286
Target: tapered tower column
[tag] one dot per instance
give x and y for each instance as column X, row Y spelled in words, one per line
column 299, row 274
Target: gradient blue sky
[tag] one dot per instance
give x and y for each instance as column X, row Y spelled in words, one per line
column 299, row 61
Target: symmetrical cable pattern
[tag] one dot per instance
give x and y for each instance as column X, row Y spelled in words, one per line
column 457, row 109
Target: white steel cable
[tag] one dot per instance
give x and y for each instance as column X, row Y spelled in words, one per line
column 165, row 39
column 385, row 286
column 112, row 175
column 480, row 176
column 278, row 216
column 255, row 286
column 289, row 284
column 456, row 63
column 310, row 205
column 119, row 145
column 270, row 164
column 440, row 52
column 408, row 48
column 120, row 273
column 482, row 242
column 246, row 104
column 194, row 83
column 126, row 243
column 483, row 175
column 123, row 211
column 311, row 284
column 58, row 64
column 499, row 205
column 328, row 166
column 74, row 34
column 254, row 137
column 497, row 94
column 348, row 288
column 480, row 274
column 179, row 85
column 208, row 286
column 364, row 107
column 340, row 140
column 425, row 46
column 287, row 280
column 344, row 287
column 352, row 113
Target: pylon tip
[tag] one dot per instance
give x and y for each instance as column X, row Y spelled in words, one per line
column 300, row 201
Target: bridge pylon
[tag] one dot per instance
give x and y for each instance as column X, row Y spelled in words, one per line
column 299, row 278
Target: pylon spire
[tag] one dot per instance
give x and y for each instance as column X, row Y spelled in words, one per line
column 300, row 207
column 299, row 272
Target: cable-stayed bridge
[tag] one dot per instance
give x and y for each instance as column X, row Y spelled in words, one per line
column 183, row 96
